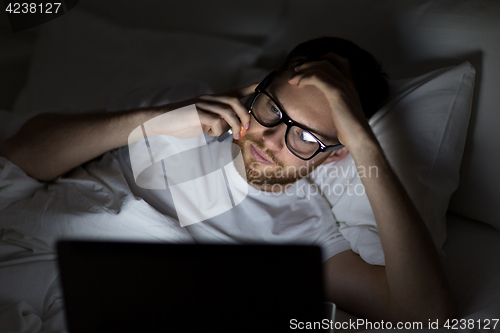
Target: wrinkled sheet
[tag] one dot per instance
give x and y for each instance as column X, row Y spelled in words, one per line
column 92, row 202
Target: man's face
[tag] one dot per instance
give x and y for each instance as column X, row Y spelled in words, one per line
column 268, row 161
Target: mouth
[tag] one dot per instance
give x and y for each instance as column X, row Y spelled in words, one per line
column 259, row 156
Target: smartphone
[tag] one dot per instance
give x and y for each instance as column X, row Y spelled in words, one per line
column 225, row 135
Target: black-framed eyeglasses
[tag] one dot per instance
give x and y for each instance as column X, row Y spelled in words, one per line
column 269, row 113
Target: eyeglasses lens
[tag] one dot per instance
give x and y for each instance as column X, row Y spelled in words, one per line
column 299, row 141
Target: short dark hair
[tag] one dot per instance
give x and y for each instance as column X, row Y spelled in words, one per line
column 369, row 78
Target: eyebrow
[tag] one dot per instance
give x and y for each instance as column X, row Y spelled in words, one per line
column 322, row 137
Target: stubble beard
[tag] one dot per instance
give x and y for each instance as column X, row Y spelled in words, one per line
column 260, row 175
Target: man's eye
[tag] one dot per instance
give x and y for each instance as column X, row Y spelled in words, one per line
column 274, row 110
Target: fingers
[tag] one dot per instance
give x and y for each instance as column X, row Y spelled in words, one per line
column 220, row 112
column 333, row 64
column 341, row 63
column 332, row 73
column 319, row 78
column 229, row 107
column 234, row 103
column 324, row 66
column 224, row 114
column 212, row 124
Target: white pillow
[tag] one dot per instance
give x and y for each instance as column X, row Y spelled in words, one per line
column 422, row 130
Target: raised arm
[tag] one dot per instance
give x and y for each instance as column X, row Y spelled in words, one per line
column 49, row 145
column 412, row 285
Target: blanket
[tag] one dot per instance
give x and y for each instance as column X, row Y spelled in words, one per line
column 92, row 202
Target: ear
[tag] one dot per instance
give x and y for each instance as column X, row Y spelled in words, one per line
column 336, row 155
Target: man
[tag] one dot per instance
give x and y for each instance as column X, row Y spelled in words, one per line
column 313, row 111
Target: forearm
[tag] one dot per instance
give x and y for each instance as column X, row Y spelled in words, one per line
column 49, row 145
column 415, row 278
column 412, row 285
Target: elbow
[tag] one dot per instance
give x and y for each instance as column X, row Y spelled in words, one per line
column 445, row 312
column 23, row 160
column 443, row 307
column 6, row 149
column 14, row 154
column 438, row 309
column 431, row 308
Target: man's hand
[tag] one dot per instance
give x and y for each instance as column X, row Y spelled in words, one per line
column 219, row 112
column 333, row 77
column 412, row 285
column 49, row 145
column 215, row 113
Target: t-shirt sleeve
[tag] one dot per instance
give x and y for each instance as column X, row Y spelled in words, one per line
column 332, row 242
column 340, row 184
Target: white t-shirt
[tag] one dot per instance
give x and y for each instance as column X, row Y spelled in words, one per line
column 294, row 216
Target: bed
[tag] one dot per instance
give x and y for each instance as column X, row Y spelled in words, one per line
column 440, row 55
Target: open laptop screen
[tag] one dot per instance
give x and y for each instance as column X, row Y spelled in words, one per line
column 147, row 287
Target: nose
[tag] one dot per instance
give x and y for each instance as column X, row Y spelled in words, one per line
column 274, row 137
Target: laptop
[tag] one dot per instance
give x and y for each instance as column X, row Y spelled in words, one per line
column 158, row 287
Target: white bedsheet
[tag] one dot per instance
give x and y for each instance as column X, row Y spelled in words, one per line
column 94, row 202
